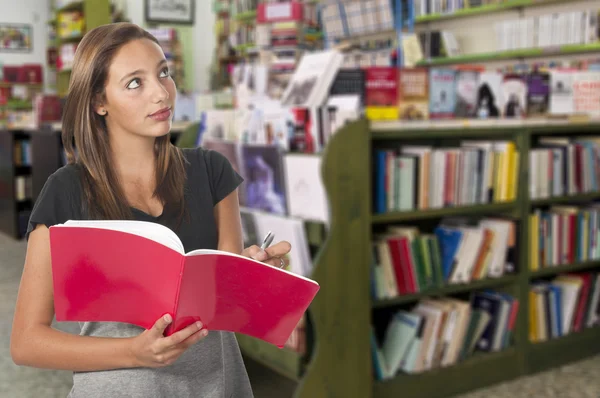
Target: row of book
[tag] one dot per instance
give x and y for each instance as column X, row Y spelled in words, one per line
column 472, row 92
column 448, row 7
column 23, row 187
column 564, row 235
column 442, row 332
column 560, row 166
column 424, row 177
column 547, row 30
column 406, row 260
column 22, row 152
column 566, row 304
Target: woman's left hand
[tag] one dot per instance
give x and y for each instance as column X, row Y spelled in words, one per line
column 274, row 255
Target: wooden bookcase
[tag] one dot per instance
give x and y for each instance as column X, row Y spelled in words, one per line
column 339, row 361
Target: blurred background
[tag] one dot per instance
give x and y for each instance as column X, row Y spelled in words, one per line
column 435, row 165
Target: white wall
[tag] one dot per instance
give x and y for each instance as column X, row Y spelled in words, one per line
column 35, row 13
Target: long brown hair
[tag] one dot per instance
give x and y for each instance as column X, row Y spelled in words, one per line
column 85, row 130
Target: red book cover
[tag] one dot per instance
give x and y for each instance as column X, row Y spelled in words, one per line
column 407, row 264
column 579, row 318
column 381, row 93
column 135, row 272
column 402, row 279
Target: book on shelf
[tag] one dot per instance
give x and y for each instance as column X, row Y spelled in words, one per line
column 136, row 271
column 564, row 305
column 408, row 261
column 564, row 235
column 437, row 333
column 561, row 166
column 425, row 177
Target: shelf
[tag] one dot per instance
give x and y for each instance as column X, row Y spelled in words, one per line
column 423, row 214
column 72, row 6
column 557, row 352
column 481, row 370
column 570, row 49
column 487, row 283
column 22, row 170
column 4, row 84
column 247, row 16
column 559, row 269
column 487, row 9
column 284, row 361
column 558, row 200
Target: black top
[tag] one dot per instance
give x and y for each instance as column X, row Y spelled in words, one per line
column 213, row 367
column 210, row 178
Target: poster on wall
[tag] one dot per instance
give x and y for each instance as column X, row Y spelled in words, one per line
column 15, row 38
column 170, row 11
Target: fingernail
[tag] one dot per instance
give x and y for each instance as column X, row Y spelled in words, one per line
column 261, row 255
column 199, row 325
column 167, row 318
column 204, row 332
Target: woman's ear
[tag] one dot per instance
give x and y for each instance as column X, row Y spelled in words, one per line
column 99, row 108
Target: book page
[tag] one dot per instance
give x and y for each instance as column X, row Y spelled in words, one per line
column 153, row 231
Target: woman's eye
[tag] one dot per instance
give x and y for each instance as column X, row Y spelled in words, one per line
column 164, row 73
column 135, row 83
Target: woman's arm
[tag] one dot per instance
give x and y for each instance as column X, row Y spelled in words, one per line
column 33, row 340
column 35, row 343
column 229, row 224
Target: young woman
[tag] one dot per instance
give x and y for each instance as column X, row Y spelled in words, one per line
column 118, row 116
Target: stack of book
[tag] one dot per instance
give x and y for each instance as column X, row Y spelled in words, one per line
column 564, row 235
column 567, row 304
column 442, row 332
column 425, row 177
column 406, row 261
column 564, row 166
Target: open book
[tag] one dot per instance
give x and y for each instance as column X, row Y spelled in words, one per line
column 136, row 271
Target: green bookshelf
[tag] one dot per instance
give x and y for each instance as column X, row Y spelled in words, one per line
column 488, row 283
column 248, row 16
column 338, row 363
column 485, row 9
column 560, row 269
column 559, row 200
column 95, row 13
column 477, row 372
column 573, row 49
column 401, row 216
column 556, row 352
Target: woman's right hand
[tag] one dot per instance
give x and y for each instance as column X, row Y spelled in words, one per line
column 153, row 350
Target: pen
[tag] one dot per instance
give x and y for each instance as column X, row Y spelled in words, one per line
column 267, row 240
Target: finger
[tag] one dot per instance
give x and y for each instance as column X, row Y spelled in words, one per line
column 193, row 339
column 161, row 324
column 278, row 262
column 178, row 337
column 256, row 253
column 279, row 250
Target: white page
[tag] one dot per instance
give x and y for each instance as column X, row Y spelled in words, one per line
column 305, row 190
column 286, row 229
column 153, row 231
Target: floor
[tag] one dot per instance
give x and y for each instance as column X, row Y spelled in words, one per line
column 578, row 380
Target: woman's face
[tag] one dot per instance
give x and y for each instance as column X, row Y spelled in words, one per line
column 140, row 92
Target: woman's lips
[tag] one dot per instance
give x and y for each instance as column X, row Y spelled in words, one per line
column 161, row 115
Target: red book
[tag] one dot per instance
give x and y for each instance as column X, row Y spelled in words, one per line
column 135, row 272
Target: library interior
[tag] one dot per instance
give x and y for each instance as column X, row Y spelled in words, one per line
column 474, row 110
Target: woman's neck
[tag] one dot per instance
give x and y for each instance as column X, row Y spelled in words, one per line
column 134, row 158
